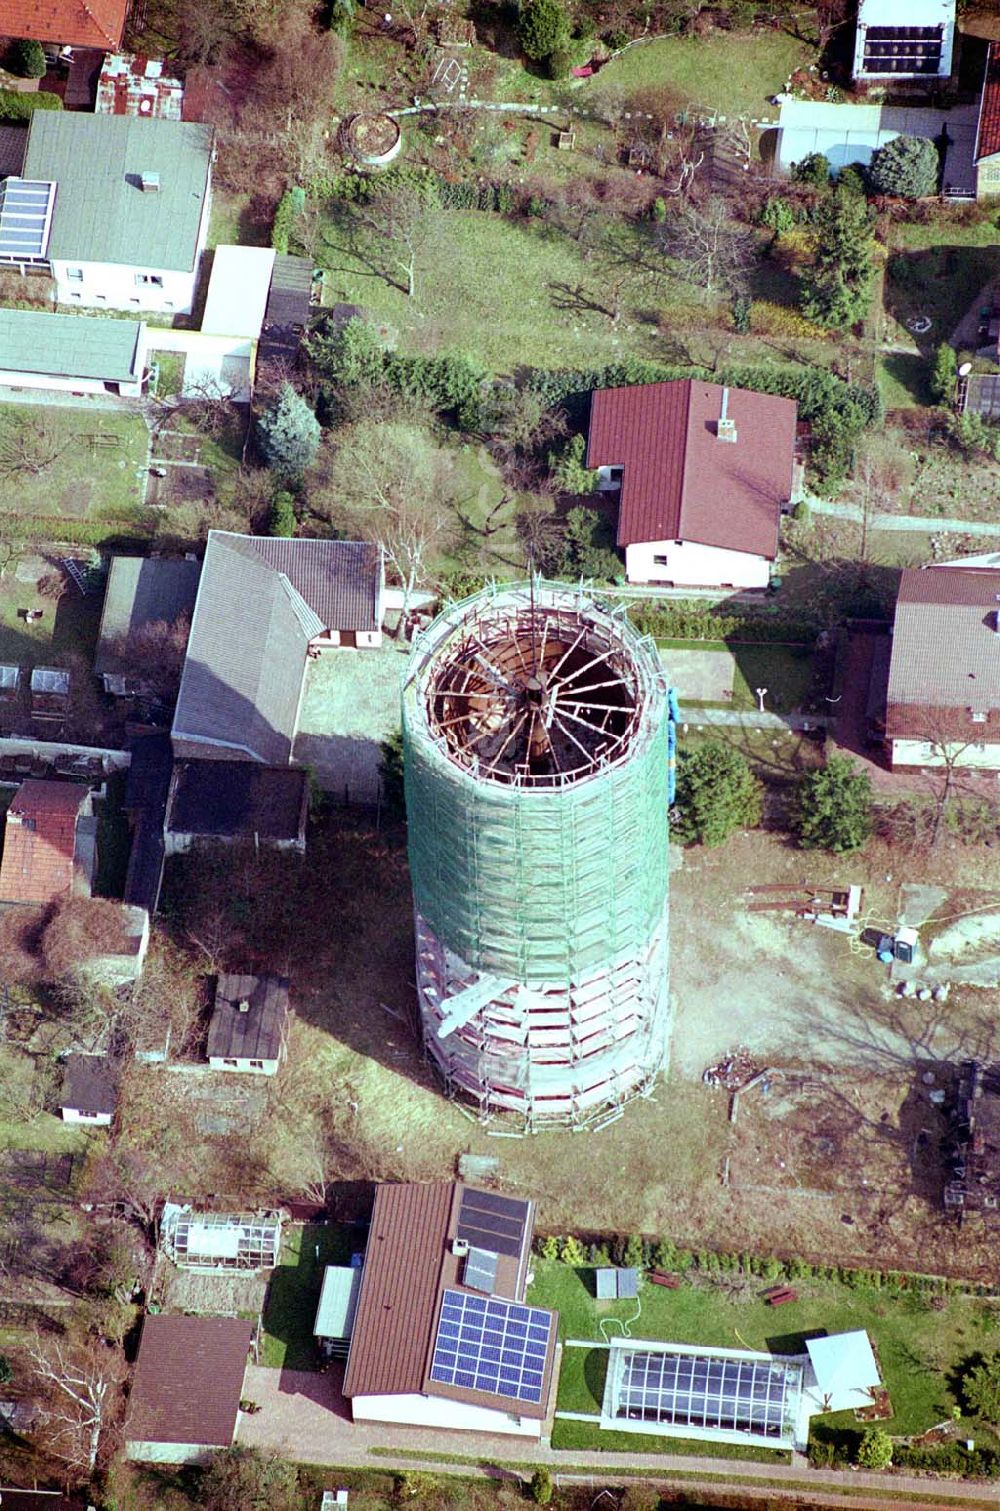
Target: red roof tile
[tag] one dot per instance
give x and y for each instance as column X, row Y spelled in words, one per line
column 680, row 481
column 988, row 134
column 40, row 841
column 72, row 23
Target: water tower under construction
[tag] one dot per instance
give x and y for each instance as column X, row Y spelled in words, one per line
column 538, row 734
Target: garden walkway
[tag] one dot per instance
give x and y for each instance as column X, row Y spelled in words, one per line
column 931, row 523
column 303, row 1416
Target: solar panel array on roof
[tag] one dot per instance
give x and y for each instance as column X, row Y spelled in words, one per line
column 25, row 217
column 903, row 49
column 691, row 1390
column 480, row 1271
column 494, row 1346
column 492, row 1222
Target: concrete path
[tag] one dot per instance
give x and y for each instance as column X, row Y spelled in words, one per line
column 303, row 1416
column 748, row 719
column 913, row 522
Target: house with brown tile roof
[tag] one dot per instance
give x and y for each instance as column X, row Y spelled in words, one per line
column 702, row 473
column 987, row 153
column 186, row 1391
column 70, row 23
column 41, row 852
column 944, row 675
column 442, row 1336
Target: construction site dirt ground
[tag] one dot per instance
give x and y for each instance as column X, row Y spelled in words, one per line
column 850, row 1117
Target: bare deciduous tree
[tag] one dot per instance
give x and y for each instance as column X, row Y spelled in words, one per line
column 395, row 486
column 153, row 654
column 77, row 1387
column 709, row 248
column 401, row 222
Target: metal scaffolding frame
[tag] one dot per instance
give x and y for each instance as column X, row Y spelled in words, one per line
column 536, row 724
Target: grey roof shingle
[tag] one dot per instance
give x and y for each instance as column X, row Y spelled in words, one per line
column 13, row 146
column 70, row 346
column 255, row 1034
column 945, row 648
column 101, row 213
column 90, row 1084
column 944, row 676
column 259, row 604
column 142, row 590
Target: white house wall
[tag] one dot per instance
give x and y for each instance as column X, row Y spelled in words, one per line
column 244, row 1067
column 93, row 1120
column 985, row 757
column 435, row 1411
column 689, row 564
column 12, row 379
column 223, row 363
column 112, row 285
column 169, row 1453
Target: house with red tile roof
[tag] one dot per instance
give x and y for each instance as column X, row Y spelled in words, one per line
column 70, row 23
column 987, row 153
column 943, row 705
column 702, row 472
column 41, row 842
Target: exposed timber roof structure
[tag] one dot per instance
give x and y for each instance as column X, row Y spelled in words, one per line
column 537, row 746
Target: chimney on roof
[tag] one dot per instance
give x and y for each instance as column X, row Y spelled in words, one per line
column 996, row 616
column 725, row 429
column 243, row 1005
column 149, row 183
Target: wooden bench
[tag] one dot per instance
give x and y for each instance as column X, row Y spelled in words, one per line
column 780, row 1295
column 660, row 1277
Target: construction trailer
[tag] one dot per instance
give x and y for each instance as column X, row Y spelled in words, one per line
column 537, row 728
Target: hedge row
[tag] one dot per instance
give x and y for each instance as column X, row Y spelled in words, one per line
column 52, row 529
column 640, row 1251
column 15, row 106
column 686, row 619
column 433, row 188
column 837, row 1448
column 290, row 207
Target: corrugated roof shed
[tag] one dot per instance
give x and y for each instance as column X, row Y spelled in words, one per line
column 102, row 214
column 680, row 480
column 90, row 1084
column 142, row 590
column 260, row 602
column 74, row 23
column 252, row 1034
column 237, row 291
column 233, row 799
column 188, row 1380
column 945, row 664
column 40, row 841
column 988, row 132
column 71, row 346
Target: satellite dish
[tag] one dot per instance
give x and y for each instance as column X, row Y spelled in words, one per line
column 965, row 369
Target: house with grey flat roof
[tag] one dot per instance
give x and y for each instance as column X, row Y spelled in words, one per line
column 76, row 353
column 115, row 207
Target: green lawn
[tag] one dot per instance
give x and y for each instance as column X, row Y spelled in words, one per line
column 786, row 672
column 919, row 1343
column 293, row 1293
column 494, row 288
column 77, row 463
column 902, row 380
column 735, row 73
column 937, row 272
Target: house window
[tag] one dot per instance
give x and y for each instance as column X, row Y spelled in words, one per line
column 659, row 561
column 75, row 275
column 615, row 474
column 136, row 302
column 976, row 716
column 75, row 296
column 152, row 279
column 256, row 1064
column 102, row 298
column 234, row 1063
